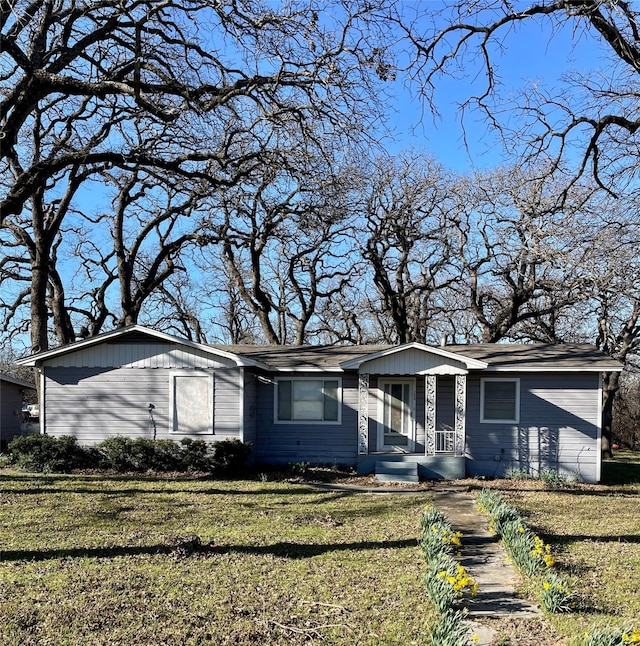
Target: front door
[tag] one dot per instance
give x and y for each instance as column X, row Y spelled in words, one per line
column 396, row 431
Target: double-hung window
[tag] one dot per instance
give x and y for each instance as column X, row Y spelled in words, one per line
column 308, row 400
column 500, row 400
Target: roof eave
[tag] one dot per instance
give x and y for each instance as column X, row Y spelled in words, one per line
column 283, row 369
column 35, row 359
column 16, row 381
column 555, row 369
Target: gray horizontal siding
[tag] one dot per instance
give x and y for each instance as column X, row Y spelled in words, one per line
column 315, row 443
column 558, row 428
column 93, row 404
column 249, row 412
column 411, row 362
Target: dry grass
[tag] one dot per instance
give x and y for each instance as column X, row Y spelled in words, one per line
column 112, row 560
column 595, row 534
column 144, row 561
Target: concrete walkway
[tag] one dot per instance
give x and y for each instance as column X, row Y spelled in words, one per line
column 482, row 555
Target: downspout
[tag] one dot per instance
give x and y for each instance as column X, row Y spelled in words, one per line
column 41, row 400
column 599, row 432
column 241, row 404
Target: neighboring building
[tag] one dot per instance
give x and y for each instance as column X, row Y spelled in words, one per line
column 12, row 396
column 484, row 409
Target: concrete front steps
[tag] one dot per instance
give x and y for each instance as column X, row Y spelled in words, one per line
column 403, row 472
column 430, row 467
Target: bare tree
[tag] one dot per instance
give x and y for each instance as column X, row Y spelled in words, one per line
column 591, row 113
column 286, row 243
column 34, row 241
column 627, row 413
column 131, row 249
column 173, row 309
column 589, row 122
column 523, row 249
column 615, row 297
column 557, row 275
column 189, row 88
column 411, row 241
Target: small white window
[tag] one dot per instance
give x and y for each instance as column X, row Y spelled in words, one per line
column 192, row 403
column 308, row 400
column 500, row 400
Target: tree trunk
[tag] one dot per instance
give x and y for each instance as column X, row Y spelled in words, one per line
column 610, row 386
column 39, row 281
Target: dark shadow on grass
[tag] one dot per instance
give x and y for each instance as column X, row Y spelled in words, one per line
column 630, row 490
column 584, row 604
column 95, row 484
column 84, row 552
column 566, row 539
column 620, row 473
column 186, row 549
column 289, row 550
column 166, row 492
column 70, row 484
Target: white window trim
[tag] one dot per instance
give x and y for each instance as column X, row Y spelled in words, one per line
column 210, row 403
column 515, row 380
column 308, row 422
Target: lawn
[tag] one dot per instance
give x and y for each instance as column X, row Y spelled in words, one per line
column 91, row 560
column 595, row 535
column 87, row 560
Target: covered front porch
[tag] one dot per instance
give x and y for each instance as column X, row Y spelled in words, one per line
column 412, row 410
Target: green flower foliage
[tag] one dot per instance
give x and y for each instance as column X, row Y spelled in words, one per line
column 445, row 579
column 555, row 595
column 607, row 636
column 449, row 630
column 437, row 534
column 526, row 549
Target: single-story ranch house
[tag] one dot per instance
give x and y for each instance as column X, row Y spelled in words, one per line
column 484, row 409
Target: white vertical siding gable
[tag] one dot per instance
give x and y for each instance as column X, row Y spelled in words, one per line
column 413, row 361
column 139, row 355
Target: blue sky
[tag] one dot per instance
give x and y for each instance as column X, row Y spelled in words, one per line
column 531, row 56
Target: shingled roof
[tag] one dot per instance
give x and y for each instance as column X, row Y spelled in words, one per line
column 303, row 356
column 539, row 356
column 498, row 356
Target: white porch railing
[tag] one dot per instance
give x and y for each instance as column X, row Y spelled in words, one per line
column 445, row 440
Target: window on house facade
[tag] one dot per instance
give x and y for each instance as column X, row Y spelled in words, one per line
column 192, row 403
column 308, row 400
column 500, row 400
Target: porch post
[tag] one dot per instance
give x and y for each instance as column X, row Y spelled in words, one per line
column 363, row 413
column 460, row 422
column 430, row 415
